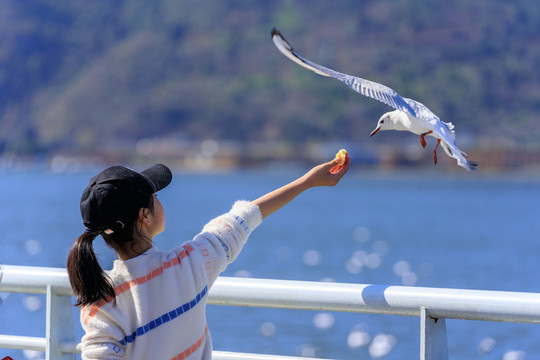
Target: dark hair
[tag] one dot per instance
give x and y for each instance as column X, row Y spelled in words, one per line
column 90, row 283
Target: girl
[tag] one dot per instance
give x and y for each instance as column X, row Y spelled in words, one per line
column 152, row 304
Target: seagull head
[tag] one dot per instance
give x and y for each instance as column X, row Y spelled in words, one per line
column 390, row 121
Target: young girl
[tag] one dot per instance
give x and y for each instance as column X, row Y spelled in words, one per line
column 152, row 305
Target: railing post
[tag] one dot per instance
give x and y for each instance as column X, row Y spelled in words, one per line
column 59, row 326
column 433, row 343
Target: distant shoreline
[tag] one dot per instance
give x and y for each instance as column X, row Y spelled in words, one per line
column 213, row 156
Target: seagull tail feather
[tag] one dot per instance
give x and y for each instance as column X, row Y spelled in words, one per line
column 459, row 156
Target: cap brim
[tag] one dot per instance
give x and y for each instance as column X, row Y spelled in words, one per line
column 158, row 175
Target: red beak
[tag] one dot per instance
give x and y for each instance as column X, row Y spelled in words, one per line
column 375, row 131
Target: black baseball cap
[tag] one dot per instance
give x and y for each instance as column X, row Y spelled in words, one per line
column 115, row 196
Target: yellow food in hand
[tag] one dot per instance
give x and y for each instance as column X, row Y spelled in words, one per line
column 341, row 155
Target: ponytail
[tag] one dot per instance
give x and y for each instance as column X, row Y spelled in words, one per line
column 88, row 280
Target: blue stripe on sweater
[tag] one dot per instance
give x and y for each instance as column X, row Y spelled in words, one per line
column 165, row 318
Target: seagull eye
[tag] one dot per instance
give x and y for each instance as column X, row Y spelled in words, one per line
column 382, row 121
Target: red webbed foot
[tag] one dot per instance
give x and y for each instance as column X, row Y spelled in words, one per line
column 435, row 151
column 422, row 140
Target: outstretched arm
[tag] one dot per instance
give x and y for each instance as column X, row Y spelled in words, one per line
column 320, row 175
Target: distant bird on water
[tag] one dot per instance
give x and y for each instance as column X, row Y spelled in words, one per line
column 410, row 115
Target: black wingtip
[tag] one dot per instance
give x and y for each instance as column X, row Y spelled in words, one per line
column 276, row 32
column 473, row 165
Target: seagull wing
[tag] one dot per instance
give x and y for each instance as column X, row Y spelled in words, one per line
column 365, row 87
column 443, row 131
column 422, row 112
column 450, row 148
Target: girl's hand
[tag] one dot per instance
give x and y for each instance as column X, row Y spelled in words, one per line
column 327, row 174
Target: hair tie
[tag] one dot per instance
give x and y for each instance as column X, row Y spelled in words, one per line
column 91, row 230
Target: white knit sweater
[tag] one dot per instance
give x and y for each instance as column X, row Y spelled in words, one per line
column 160, row 311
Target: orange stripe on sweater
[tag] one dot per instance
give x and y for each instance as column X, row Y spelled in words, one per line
column 120, row 289
column 191, row 349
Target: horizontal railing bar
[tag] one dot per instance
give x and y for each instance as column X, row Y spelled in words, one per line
column 70, row 347
column 225, row 355
column 396, row 300
column 22, row 342
column 34, row 280
column 38, row 344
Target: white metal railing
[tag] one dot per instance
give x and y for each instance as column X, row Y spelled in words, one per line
column 431, row 305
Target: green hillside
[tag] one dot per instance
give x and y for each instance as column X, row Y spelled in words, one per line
column 80, row 76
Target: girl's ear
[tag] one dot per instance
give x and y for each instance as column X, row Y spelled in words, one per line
column 144, row 215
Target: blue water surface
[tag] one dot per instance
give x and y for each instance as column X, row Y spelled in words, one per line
column 430, row 229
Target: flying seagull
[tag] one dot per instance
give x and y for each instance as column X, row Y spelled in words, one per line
column 410, row 115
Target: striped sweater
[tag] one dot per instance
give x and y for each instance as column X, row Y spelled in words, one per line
column 161, row 297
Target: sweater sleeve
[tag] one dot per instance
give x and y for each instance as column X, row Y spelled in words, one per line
column 222, row 239
column 100, row 339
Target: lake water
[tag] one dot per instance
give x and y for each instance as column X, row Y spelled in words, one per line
column 433, row 229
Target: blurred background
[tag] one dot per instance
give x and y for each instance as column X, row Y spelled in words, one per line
column 132, row 79
column 199, row 86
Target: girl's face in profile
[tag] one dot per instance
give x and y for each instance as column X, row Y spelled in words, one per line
column 158, row 223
